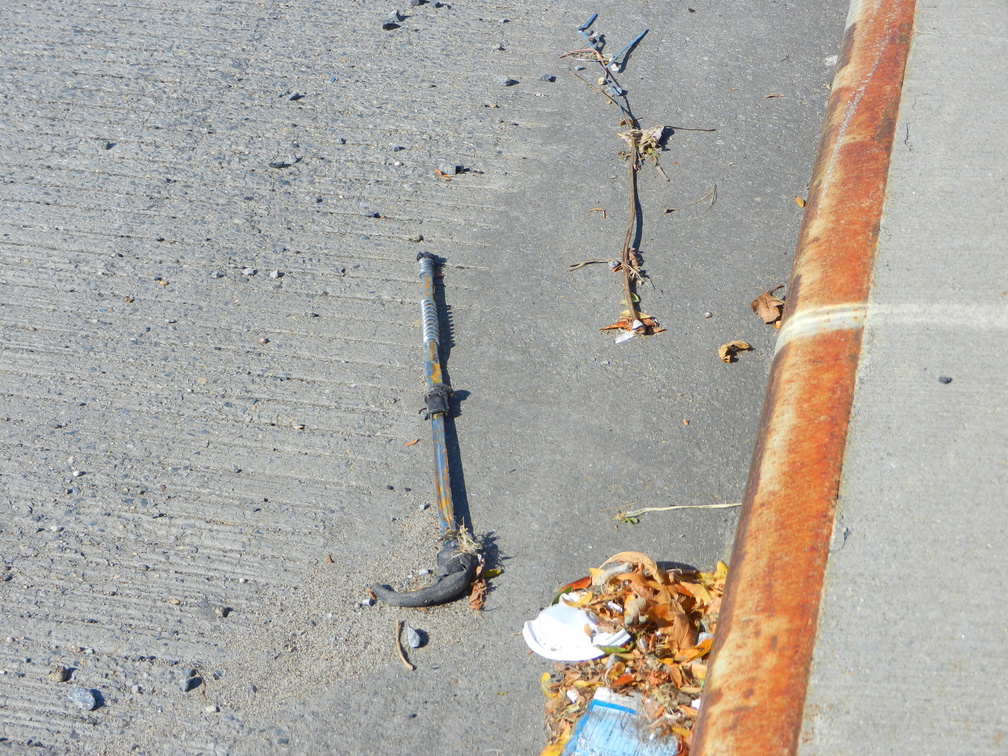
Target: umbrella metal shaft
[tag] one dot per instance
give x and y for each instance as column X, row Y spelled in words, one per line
column 437, row 398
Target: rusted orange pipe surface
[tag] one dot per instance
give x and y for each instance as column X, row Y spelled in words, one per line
column 754, row 696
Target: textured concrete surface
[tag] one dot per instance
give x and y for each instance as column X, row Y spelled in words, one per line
column 910, row 656
column 186, row 443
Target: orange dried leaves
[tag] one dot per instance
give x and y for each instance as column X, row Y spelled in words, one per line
column 729, row 352
column 768, row 307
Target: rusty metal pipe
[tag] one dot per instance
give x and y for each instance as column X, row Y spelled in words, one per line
column 456, row 568
column 754, row 696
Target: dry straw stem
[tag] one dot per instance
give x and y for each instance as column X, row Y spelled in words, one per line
column 643, row 510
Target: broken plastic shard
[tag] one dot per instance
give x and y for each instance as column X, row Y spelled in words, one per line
column 558, row 634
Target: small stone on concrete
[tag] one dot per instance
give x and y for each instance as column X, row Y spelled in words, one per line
column 217, row 274
column 415, row 638
column 548, row 77
column 85, row 698
column 392, row 22
column 944, row 379
column 59, row 673
column 448, row 169
column 190, row 682
column 249, row 271
column 505, row 81
column 276, row 274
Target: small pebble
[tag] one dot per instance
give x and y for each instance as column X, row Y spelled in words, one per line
column 415, row 3
column 416, row 238
column 448, row 169
column 217, row 274
column 944, row 379
column 415, row 638
column 77, row 473
column 505, row 81
column 190, row 683
column 397, row 148
column 424, row 507
column 280, row 164
column 86, row 699
column 421, row 573
column 212, row 709
column 59, row 674
column 341, row 140
column 505, row 21
column 392, row 22
column 548, row 77
column 264, row 340
column 249, row 271
column 579, row 68
column 295, row 97
column 369, row 601
column 276, row 274
column 708, row 314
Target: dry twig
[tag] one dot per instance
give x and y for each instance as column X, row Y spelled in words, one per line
column 399, row 647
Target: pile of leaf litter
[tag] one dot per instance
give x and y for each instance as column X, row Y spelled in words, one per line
column 671, row 616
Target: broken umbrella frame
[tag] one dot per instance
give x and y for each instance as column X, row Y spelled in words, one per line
column 456, row 568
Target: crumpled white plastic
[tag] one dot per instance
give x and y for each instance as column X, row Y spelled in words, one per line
column 558, row 634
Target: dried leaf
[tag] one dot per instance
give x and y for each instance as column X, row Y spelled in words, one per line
column 477, row 594
column 728, row 352
column 633, row 609
column 654, row 134
column 636, row 557
column 622, row 324
column 767, row 306
column 413, row 442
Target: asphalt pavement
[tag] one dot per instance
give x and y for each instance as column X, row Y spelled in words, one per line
column 211, row 364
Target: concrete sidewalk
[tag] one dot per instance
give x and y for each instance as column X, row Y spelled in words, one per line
column 906, row 653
